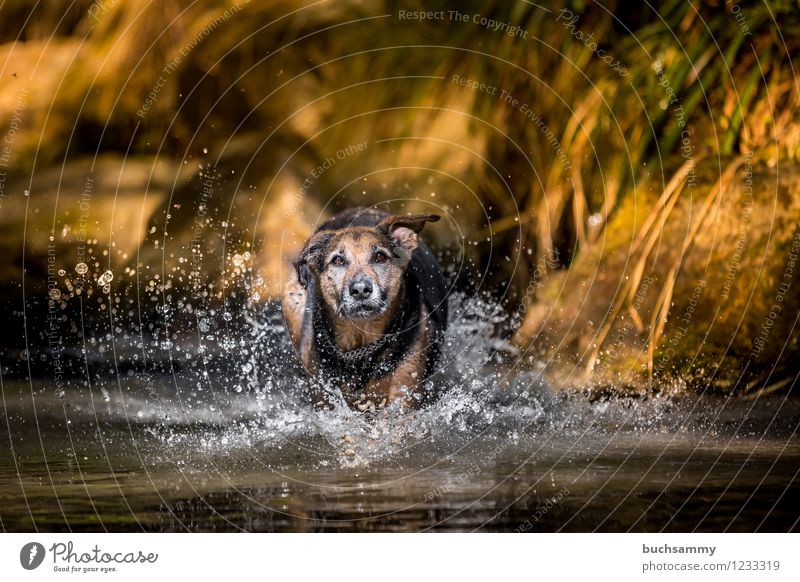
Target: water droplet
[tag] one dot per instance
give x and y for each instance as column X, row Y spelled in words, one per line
column 81, row 268
column 105, row 278
column 595, row 219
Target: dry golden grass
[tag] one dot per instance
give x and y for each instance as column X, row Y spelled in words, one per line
column 303, row 83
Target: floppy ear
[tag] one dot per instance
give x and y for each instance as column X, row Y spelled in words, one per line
column 404, row 229
column 310, row 258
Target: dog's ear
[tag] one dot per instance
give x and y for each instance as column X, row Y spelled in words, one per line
column 404, row 229
column 310, row 258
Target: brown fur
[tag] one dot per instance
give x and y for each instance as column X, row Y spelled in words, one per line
column 358, row 244
column 335, row 258
column 294, row 305
column 407, row 375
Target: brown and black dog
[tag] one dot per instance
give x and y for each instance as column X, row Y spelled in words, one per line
column 366, row 307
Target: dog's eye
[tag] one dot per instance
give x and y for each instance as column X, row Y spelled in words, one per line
column 380, row 257
column 337, row 261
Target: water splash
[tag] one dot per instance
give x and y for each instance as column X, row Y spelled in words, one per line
column 238, row 393
column 267, row 403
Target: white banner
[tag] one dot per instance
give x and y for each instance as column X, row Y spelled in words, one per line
column 406, row 557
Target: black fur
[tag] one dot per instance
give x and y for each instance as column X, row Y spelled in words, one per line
column 423, row 283
column 423, row 271
column 356, row 372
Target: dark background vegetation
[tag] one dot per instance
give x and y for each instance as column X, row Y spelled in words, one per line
column 640, row 237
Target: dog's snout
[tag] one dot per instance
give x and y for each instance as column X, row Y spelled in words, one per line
column 360, row 288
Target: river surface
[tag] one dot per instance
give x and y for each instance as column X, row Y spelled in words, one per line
column 213, row 450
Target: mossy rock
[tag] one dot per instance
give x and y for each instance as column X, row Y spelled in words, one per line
column 733, row 306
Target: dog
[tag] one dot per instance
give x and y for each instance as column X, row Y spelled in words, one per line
column 366, row 309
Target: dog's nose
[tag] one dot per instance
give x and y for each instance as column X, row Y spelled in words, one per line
column 360, row 289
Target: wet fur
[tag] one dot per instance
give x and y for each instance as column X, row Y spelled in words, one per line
column 411, row 275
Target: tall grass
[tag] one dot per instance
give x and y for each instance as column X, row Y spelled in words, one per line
column 699, row 87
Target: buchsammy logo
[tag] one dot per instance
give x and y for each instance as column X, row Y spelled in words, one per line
column 31, row 555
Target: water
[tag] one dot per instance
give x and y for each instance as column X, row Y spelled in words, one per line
column 232, row 445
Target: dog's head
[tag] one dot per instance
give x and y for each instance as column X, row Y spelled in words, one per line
column 359, row 269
